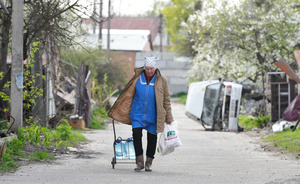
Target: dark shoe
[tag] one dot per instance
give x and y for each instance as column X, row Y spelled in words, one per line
column 148, row 164
column 139, row 163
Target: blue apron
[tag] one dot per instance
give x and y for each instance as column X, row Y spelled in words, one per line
column 143, row 107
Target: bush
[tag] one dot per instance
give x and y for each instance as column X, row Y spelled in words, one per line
column 8, row 162
column 99, row 115
column 64, row 130
column 3, row 125
column 12, row 152
column 37, row 134
column 253, row 122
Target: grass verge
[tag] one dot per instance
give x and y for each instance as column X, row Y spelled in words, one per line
column 41, row 155
column 182, row 97
column 286, row 140
column 249, row 122
column 38, row 143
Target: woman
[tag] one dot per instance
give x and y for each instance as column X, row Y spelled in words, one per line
column 145, row 104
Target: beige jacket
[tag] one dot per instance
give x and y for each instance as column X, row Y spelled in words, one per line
column 121, row 109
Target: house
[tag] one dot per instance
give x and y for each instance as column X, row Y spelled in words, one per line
column 128, row 36
column 153, row 24
column 133, row 38
column 122, row 40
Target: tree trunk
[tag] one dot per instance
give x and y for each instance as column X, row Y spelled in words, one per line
column 39, row 108
column 263, row 109
column 82, row 105
column 4, row 48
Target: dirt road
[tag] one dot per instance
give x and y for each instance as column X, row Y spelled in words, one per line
column 204, row 157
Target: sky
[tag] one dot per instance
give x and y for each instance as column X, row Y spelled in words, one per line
column 126, row 7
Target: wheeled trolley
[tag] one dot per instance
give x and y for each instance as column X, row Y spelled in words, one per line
column 123, row 149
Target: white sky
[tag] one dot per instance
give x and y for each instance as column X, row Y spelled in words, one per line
column 125, row 7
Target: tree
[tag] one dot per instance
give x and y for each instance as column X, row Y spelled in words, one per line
column 176, row 17
column 48, row 22
column 99, row 66
column 5, row 24
column 245, row 40
column 155, row 11
column 41, row 18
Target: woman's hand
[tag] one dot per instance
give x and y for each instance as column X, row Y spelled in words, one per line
column 169, row 123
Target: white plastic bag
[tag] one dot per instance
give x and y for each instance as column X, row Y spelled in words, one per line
column 169, row 139
column 171, row 135
column 162, row 148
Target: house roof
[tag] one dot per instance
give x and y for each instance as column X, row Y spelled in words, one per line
column 133, row 23
column 122, row 40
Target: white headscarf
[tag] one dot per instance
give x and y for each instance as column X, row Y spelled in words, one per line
column 150, row 61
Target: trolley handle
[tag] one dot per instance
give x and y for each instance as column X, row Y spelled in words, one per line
column 115, row 136
column 113, row 122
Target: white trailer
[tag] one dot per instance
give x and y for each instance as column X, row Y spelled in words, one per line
column 214, row 104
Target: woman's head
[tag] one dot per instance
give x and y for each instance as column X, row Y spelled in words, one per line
column 150, row 65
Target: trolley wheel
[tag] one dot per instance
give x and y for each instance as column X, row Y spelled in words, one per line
column 113, row 162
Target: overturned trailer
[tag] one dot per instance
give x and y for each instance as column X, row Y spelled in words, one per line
column 215, row 104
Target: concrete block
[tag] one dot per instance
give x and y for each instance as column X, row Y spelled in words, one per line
column 139, row 63
column 178, row 65
column 175, row 89
column 174, row 73
column 178, row 81
column 163, row 56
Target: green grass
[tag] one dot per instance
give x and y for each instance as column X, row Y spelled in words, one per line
column 63, row 135
column 3, row 125
column 41, row 155
column 73, row 140
column 97, row 123
column 182, row 97
column 99, row 115
column 249, row 123
column 178, row 95
column 8, row 162
column 285, row 140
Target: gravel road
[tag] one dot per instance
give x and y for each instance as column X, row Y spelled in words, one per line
column 204, row 157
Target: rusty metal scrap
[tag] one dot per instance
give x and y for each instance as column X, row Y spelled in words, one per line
column 9, row 128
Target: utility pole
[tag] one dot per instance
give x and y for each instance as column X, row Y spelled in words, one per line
column 17, row 64
column 94, row 18
column 160, row 32
column 108, row 32
column 100, row 21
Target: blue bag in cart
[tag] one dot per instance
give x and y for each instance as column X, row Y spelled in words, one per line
column 130, row 148
column 120, row 149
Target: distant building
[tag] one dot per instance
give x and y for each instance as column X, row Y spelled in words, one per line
column 152, row 24
column 133, row 38
column 122, row 40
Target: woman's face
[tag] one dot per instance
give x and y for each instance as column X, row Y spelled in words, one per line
column 150, row 71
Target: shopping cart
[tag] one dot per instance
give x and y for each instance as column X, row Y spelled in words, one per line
column 124, row 154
